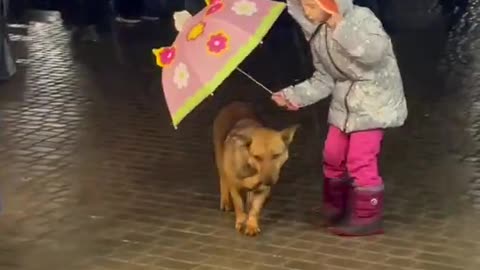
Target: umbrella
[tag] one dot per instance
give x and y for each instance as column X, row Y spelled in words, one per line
column 209, row 48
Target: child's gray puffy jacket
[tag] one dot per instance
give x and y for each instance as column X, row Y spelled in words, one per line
column 355, row 63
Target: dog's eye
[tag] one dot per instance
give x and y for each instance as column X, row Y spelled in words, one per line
column 258, row 158
column 276, row 156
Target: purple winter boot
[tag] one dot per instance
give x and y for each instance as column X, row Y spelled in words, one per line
column 335, row 192
column 363, row 214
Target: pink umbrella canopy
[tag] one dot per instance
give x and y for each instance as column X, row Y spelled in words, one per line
column 209, row 48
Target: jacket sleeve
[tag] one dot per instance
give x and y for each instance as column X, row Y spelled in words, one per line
column 296, row 11
column 364, row 40
column 312, row 90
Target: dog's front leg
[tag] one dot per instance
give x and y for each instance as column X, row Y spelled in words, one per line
column 225, row 202
column 240, row 215
column 257, row 202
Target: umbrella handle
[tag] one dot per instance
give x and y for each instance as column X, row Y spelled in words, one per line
column 255, row 81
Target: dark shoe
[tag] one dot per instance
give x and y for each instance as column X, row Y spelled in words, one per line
column 127, row 20
column 90, row 34
column 335, row 193
column 150, row 18
column 364, row 213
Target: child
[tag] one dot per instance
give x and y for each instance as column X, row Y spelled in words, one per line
column 355, row 63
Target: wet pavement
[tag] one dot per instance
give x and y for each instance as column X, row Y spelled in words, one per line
column 94, row 176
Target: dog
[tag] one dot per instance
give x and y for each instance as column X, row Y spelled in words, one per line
column 249, row 158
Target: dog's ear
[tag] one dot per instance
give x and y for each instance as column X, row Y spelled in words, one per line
column 289, row 133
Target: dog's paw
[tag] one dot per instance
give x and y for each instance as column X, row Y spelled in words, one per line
column 226, row 205
column 240, row 221
column 238, row 226
column 252, row 228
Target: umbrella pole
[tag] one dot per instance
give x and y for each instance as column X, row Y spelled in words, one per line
column 255, row 81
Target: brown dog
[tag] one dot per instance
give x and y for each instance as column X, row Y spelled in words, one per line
column 249, row 158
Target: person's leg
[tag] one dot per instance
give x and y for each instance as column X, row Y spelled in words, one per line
column 335, row 153
column 151, row 10
column 136, row 8
column 74, row 13
column 362, row 158
column 96, row 18
column 335, row 184
column 364, row 206
column 64, row 10
column 119, row 7
column 127, row 10
column 103, row 13
column 78, row 11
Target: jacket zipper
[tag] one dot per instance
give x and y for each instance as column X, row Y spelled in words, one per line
column 347, row 108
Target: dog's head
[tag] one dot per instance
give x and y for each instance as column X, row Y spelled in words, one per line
column 264, row 152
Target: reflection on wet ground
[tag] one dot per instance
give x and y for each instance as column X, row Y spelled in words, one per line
column 95, row 177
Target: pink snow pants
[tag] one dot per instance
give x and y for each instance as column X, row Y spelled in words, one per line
column 354, row 155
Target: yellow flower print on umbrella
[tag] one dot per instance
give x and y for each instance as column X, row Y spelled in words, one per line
column 196, row 31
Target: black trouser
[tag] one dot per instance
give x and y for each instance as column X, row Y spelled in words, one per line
column 129, row 8
column 85, row 12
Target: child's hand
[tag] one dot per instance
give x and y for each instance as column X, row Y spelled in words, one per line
column 280, row 99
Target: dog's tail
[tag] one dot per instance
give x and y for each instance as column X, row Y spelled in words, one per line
column 225, row 122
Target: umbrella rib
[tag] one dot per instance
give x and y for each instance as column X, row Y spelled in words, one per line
column 255, row 81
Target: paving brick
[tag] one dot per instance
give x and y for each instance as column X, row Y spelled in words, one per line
column 207, row 267
column 335, row 250
column 264, row 259
column 344, row 262
column 432, row 266
column 368, row 256
column 188, row 256
column 444, row 259
column 402, row 252
column 303, row 265
column 264, row 267
column 174, row 264
column 400, row 262
column 228, row 263
column 145, row 259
